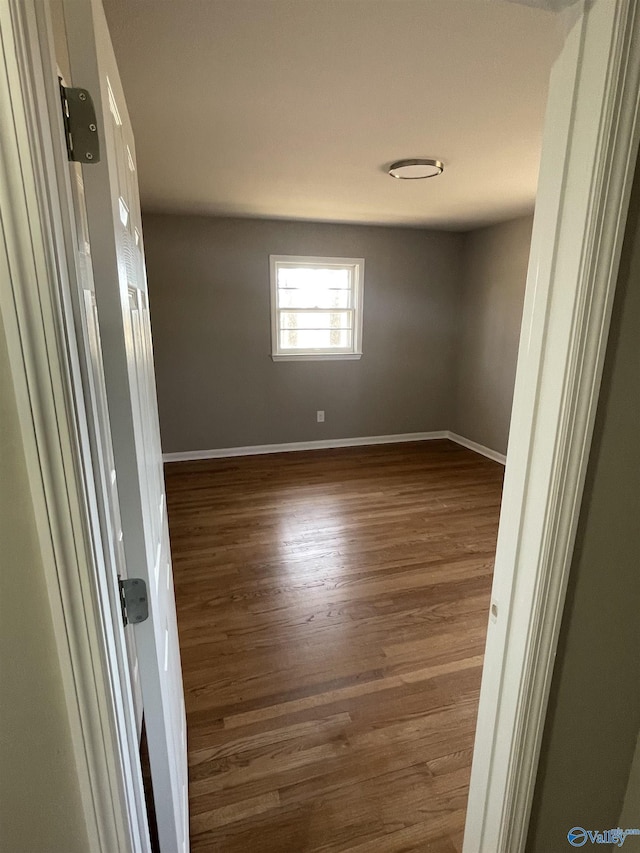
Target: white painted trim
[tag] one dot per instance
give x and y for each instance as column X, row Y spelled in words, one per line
column 292, row 447
column 327, row 356
column 477, row 448
column 41, row 346
column 323, row 444
column 588, row 160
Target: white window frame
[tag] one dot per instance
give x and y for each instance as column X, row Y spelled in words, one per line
column 333, row 354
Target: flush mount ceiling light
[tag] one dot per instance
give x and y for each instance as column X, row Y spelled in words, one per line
column 415, row 169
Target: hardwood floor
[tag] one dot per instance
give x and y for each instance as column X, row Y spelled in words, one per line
column 332, row 608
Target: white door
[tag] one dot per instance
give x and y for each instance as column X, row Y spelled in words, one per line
column 88, row 332
column 107, row 509
column 122, row 321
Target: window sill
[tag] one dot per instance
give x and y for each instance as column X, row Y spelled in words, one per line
column 324, row 356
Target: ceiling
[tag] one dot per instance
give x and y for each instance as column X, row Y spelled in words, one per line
column 292, row 108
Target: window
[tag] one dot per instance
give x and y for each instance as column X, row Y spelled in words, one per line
column 316, row 308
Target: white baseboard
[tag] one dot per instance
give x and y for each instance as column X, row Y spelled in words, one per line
column 478, row 448
column 260, row 449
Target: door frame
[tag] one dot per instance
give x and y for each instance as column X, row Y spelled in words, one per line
column 43, row 358
column 589, row 158
column 577, row 239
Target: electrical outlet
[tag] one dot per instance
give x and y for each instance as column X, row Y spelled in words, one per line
column 320, row 416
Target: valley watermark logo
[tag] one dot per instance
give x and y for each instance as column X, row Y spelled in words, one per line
column 578, row 836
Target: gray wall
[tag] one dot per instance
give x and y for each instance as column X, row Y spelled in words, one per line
column 217, row 385
column 40, row 808
column 490, row 312
column 594, row 710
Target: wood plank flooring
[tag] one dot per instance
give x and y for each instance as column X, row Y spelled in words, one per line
column 332, row 608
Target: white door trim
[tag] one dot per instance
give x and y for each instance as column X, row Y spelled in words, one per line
column 45, row 372
column 588, row 162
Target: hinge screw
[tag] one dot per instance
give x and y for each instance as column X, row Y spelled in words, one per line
column 92, row 127
column 82, row 96
column 89, row 155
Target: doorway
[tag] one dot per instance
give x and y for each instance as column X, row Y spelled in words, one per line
column 541, row 414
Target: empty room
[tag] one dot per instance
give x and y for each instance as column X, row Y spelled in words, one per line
column 335, row 342
column 304, row 325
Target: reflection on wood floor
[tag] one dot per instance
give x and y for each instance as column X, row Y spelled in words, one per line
column 332, row 608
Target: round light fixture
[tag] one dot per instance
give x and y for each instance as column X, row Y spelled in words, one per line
column 415, row 169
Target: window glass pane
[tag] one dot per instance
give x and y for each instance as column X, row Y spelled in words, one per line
column 314, row 278
column 315, row 319
column 300, row 297
column 302, row 339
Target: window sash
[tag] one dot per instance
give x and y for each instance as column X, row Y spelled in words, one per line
column 331, row 298
column 319, row 335
column 281, row 328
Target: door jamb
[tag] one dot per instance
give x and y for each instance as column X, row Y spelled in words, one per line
column 591, row 130
column 45, row 372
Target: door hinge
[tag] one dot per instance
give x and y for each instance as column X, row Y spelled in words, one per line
column 133, row 600
column 80, row 125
